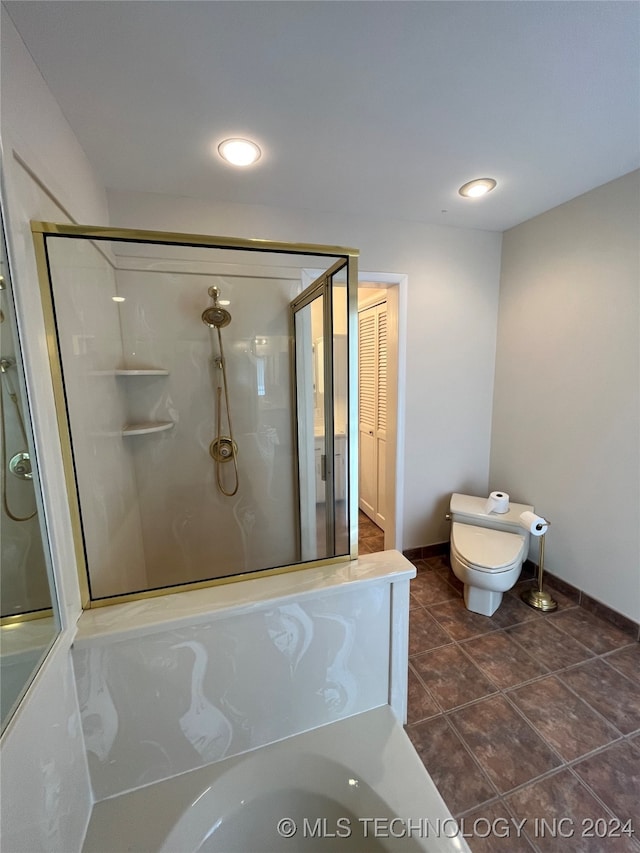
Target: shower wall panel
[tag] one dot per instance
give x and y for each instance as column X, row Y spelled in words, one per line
column 236, row 680
column 191, row 531
column 90, row 343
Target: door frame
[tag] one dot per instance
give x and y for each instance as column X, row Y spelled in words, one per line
column 396, row 285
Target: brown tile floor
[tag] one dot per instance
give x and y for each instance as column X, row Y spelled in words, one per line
column 370, row 536
column 528, row 723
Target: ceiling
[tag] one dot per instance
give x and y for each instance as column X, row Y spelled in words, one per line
column 371, row 108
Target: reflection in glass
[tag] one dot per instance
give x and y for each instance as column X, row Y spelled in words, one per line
column 316, row 526
column 321, row 371
column 340, row 404
column 181, row 371
column 27, row 623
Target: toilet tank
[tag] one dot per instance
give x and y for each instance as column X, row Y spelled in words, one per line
column 468, row 509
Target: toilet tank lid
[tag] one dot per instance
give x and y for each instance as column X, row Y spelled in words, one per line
column 469, row 506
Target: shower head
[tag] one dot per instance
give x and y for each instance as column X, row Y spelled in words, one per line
column 215, row 317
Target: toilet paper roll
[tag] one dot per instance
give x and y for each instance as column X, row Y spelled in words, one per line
column 497, row 502
column 535, row 524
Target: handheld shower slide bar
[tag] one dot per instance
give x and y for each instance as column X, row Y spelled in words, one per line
column 223, row 448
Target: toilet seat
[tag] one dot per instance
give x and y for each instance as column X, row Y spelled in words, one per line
column 482, row 570
column 486, row 550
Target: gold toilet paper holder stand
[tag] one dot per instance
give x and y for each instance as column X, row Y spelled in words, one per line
column 538, row 598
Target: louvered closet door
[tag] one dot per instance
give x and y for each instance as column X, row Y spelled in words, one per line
column 372, row 368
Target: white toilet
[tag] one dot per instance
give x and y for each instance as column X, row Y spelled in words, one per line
column 487, row 550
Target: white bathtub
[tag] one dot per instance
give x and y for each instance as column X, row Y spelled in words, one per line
column 355, row 785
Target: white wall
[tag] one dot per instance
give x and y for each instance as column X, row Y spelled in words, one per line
column 452, row 301
column 566, row 423
column 45, row 786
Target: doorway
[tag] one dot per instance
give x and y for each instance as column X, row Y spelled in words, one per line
column 393, row 287
column 372, row 409
column 381, row 315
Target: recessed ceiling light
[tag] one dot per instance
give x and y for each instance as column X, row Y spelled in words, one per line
column 476, row 188
column 239, row 152
column 118, row 298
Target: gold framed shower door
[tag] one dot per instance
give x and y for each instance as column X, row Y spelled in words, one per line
column 40, row 232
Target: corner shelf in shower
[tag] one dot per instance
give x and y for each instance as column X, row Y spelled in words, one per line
column 147, row 427
column 144, row 427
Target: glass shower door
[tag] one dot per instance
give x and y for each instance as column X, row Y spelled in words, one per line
column 320, row 452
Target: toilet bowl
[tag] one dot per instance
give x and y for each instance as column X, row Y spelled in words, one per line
column 487, row 550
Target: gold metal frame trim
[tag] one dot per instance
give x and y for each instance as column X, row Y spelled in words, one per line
column 55, row 367
column 187, row 587
column 19, row 618
column 133, row 235
column 321, row 287
column 41, row 230
column 352, row 402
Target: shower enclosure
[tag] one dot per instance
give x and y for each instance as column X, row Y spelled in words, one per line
column 204, row 401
